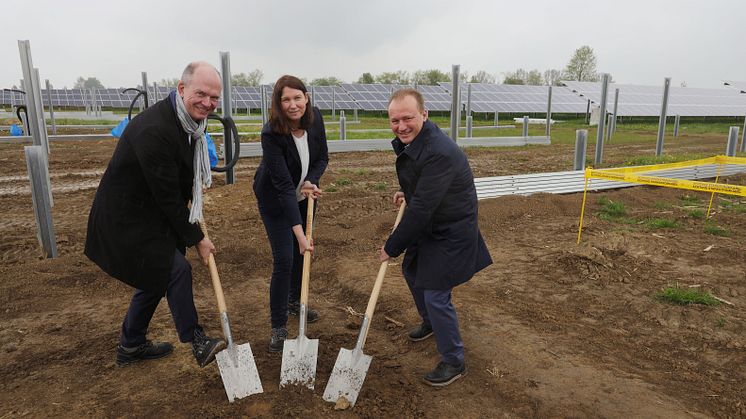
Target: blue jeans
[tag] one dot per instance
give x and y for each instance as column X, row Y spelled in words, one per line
column 180, row 301
column 287, row 267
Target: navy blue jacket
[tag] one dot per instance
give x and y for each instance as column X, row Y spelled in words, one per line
column 140, row 214
column 279, row 172
column 439, row 230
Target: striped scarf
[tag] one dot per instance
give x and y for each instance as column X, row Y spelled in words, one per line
column 202, row 174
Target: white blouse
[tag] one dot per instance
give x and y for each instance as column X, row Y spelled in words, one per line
column 301, row 143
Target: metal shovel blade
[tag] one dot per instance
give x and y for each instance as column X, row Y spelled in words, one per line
column 299, row 361
column 347, row 376
column 239, row 373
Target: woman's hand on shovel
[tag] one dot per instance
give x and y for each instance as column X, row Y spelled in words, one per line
column 309, row 189
column 205, row 248
column 303, row 243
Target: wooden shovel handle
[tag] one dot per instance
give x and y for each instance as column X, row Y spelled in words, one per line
column 214, row 273
column 307, row 254
column 381, row 274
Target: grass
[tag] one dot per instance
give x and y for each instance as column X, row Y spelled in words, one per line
column 662, row 205
column 716, row 231
column 689, row 199
column 379, row 186
column 658, row 223
column 343, row 181
column 611, row 209
column 736, row 207
column 720, row 322
column 685, row 296
column 696, row 213
column 648, row 160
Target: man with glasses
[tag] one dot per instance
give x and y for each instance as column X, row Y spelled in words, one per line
column 140, row 222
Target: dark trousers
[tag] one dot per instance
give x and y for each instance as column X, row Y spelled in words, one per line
column 436, row 310
column 287, row 267
column 180, row 301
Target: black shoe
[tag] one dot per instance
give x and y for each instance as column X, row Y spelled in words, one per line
column 148, row 350
column 205, row 348
column 311, row 314
column 445, row 374
column 277, row 339
column 421, row 332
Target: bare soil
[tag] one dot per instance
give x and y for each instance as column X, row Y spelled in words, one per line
column 552, row 329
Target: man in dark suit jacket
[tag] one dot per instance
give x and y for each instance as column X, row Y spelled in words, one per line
column 439, row 230
column 139, row 229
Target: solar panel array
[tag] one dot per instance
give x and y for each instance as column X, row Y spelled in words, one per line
column 637, row 100
column 634, row 100
column 486, row 97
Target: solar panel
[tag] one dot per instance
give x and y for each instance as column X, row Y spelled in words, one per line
column 486, row 98
column 639, row 100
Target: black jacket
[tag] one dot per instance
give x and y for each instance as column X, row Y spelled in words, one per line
column 439, row 230
column 279, row 172
column 140, row 216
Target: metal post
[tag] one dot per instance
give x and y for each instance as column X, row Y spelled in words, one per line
column 334, row 104
column 455, row 102
column 313, row 94
column 355, row 114
column 36, row 163
column 676, row 122
column 616, row 107
column 608, row 127
column 156, row 96
column 35, row 121
column 588, row 112
column 468, row 101
column 92, row 98
column 263, row 103
column 51, row 108
column 602, row 119
column 743, row 138
column 40, row 111
column 581, row 141
column 497, row 117
column 525, row 125
column 662, row 120
column 730, row 150
column 225, row 70
column 549, row 112
column 468, row 126
column 145, row 88
column 342, row 126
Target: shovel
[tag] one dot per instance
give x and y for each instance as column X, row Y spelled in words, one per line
column 236, row 362
column 299, row 355
column 352, row 365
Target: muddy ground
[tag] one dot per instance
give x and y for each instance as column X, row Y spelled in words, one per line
column 552, row 329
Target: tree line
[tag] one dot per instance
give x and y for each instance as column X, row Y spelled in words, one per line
column 581, row 67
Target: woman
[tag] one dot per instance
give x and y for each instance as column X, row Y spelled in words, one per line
column 294, row 158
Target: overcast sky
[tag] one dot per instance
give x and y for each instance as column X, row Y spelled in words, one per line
column 638, row 42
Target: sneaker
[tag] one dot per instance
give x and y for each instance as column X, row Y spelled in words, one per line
column 445, row 374
column 148, row 350
column 205, row 348
column 277, row 339
column 421, row 332
column 311, row 314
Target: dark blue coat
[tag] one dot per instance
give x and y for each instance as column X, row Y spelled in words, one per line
column 279, row 172
column 140, row 215
column 439, row 230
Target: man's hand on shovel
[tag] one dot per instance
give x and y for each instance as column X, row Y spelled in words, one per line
column 205, row 248
column 309, row 189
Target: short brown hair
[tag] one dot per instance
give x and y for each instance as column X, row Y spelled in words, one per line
column 278, row 121
column 402, row 93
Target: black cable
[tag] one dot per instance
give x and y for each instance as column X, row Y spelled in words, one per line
column 231, row 132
